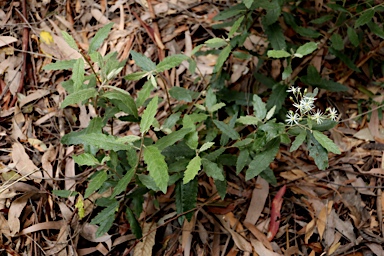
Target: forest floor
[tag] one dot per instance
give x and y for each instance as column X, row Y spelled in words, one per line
column 338, row 211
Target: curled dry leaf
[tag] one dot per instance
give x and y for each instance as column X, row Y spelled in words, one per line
column 144, row 248
column 24, row 165
column 275, row 213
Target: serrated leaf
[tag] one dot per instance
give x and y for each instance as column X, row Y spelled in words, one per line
column 216, row 42
column 148, row 116
column 124, row 101
column 105, row 219
column 327, row 143
column 78, row 74
column 86, row 159
column 142, row 61
column 278, row 54
column 242, row 160
column 181, row 93
column 376, row 29
column 196, row 49
column 101, row 141
column 157, row 167
column 78, row 96
column 148, row 182
column 172, row 138
column 276, row 36
column 186, row 198
column 227, row 130
column 212, row 170
column 96, row 182
column 170, row 62
column 128, row 139
column 337, row 42
column 259, row 107
column 60, row 65
column 223, row 56
column 269, row 176
column 317, row 152
column 262, row 160
column 235, row 26
column 134, row 224
column 123, row 182
column 192, row 170
column 278, row 96
column 364, row 18
column 273, row 13
column 135, row 76
column 298, row 141
column 248, row 120
column 99, row 38
column 221, row 187
column 69, row 39
column 353, row 37
column 306, row 49
column 64, row 193
column 216, row 107
column 242, row 143
column 144, row 93
column 322, row 19
column 206, row 146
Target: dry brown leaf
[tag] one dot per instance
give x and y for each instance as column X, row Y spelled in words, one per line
column 144, row 247
column 186, row 238
column 88, row 231
column 33, row 96
column 261, row 250
column 24, row 164
column 43, row 226
column 239, row 240
column 15, row 211
column 259, row 196
column 259, row 235
column 5, row 40
column 309, row 229
column 322, row 218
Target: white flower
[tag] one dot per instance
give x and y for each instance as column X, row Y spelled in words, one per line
column 306, row 104
column 318, row 116
column 332, row 113
column 292, row 118
column 294, row 89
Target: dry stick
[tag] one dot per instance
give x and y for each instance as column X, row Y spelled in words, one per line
column 25, row 48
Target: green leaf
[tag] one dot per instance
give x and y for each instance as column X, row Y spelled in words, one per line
column 269, row 176
column 327, row 143
column 278, row 96
column 186, row 198
column 69, row 39
column 259, row 107
column 148, row 116
column 172, row 138
column 337, row 42
column 135, row 76
column 306, row 49
column 123, row 101
column 223, row 56
column 235, row 26
column 78, row 74
column 227, row 130
column 206, row 146
column 344, row 58
column 60, row 65
column 97, row 180
column 212, row 170
column 101, row 141
column 242, row 143
column 353, row 37
column 180, row 93
column 273, row 13
column 105, row 219
column 262, row 160
column 143, row 62
column 148, row 182
column 64, row 193
column 275, row 36
column 99, row 38
column 123, row 182
column 248, row 120
column 134, row 224
column 216, row 42
column 86, row 159
column 170, row 62
column 216, row 107
column 376, row 29
column 157, row 167
column 270, row 113
column 79, row 96
column 128, row 139
column 242, row 160
column 248, row 3
column 365, row 18
column 221, row 187
column 144, row 93
column 215, row 154
column 192, row 170
column 298, row 141
column 322, row 19
column 196, row 49
column 231, row 12
column 192, row 140
column 317, row 152
column 278, row 54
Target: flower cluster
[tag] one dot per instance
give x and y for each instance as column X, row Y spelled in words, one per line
column 305, row 107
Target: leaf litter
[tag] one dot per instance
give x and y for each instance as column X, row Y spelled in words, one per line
column 337, row 211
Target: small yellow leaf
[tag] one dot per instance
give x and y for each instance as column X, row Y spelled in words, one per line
column 46, row 37
column 80, row 207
